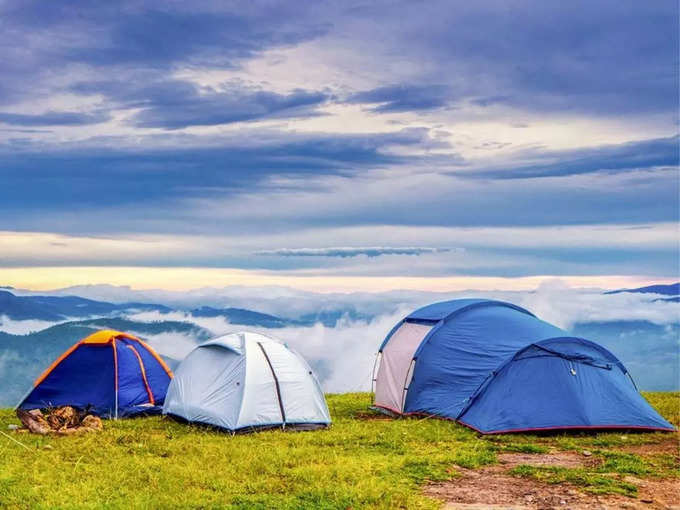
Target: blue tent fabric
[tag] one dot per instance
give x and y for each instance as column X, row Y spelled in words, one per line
column 495, row 367
column 97, row 375
column 77, row 381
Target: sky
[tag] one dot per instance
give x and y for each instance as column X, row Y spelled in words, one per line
column 339, row 146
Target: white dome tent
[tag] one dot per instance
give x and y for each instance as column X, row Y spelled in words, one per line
column 243, row 381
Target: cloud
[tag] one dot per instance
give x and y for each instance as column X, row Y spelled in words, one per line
column 173, row 345
column 555, row 302
column 631, row 156
column 373, row 251
column 53, row 118
column 176, row 104
column 140, row 174
column 24, row 327
column 511, row 251
column 341, row 356
column 404, row 98
column 271, row 119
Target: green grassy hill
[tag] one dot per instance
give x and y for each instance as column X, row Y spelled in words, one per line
column 363, row 461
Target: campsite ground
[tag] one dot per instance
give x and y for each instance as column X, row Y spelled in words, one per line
column 364, row 460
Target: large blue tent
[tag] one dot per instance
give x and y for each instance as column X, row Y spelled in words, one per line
column 496, row 368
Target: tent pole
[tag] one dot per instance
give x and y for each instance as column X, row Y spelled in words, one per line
column 373, row 374
column 406, row 381
column 115, row 376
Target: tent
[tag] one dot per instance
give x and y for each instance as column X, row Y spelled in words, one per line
column 243, row 381
column 110, row 373
column 496, row 368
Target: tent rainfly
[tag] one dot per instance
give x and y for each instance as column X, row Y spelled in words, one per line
column 496, row 368
column 243, row 381
column 109, row 373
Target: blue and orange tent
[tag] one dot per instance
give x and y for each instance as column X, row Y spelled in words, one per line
column 109, row 373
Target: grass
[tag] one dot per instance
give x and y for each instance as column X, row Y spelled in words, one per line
column 362, row 461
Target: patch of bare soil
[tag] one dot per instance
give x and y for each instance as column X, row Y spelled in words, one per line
column 372, row 416
column 557, row 459
column 492, row 488
column 670, row 446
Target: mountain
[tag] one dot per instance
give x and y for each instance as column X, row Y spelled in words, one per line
column 330, row 318
column 244, row 317
column 672, row 289
column 57, row 308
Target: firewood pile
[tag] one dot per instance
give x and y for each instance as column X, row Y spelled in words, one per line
column 61, row 420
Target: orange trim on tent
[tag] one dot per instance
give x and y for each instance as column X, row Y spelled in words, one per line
column 105, row 336
column 141, row 368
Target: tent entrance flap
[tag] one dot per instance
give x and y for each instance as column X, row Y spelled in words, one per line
column 276, row 384
column 395, row 365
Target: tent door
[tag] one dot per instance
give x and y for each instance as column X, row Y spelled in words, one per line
column 276, row 384
column 395, row 370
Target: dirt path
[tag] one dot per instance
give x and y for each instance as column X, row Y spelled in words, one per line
column 493, row 488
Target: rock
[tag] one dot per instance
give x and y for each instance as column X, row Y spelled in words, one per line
column 63, row 421
column 92, row 422
column 587, row 453
column 63, row 417
column 647, row 500
column 34, row 421
column 13, row 426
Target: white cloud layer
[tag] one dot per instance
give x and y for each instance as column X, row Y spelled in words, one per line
column 343, row 355
column 23, row 327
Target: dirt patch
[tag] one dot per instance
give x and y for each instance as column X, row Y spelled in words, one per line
column 373, row 416
column 493, row 488
column 557, row 459
column 496, row 489
column 670, row 446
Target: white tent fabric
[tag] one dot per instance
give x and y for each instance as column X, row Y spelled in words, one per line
column 395, row 365
column 245, row 380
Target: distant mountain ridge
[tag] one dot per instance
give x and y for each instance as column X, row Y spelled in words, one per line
column 243, row 316
column 63, row 308
column 672, row 289
column 58, row 308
